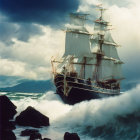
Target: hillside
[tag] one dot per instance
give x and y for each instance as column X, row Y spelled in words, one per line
column 30, row 87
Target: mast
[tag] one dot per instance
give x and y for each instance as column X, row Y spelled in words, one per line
column 84, row 67
column 100, row 36
column 78, row 47
column 80, row 57
column 77, row 43
column 108, row 63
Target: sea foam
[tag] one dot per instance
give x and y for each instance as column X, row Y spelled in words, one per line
column 94, row 119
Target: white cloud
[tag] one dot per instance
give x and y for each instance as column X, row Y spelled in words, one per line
column 126, row 21
column 15, row 68
column 32, row 59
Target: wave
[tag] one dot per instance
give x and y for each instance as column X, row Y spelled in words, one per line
column 109, row 118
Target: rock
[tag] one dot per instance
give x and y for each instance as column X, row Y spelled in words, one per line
column 7, row 112
column 32, row 117
column 7, row 108
column 35, row 136
column 7, row 135
column 33, row 133
column 9, row 125
column 28, row 132
column 6, row 130
column 45, row 139
column 71, row 136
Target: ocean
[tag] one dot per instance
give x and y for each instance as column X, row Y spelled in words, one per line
column 113, row 118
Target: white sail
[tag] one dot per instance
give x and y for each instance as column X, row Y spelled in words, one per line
column 78, row 65
column 91, row 57
column 77, row 22
column 71, row 27
column 117, row 72
column 109, row 46
column 110, row 69
column 110, row 51
column 105, row 69
column 85, row 66
column 94, row 43
column 90, row 67
column 78, row 19
column 108, row 37
column 77, row 44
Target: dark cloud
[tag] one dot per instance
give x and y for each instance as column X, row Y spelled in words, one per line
column 25, row 31
column 20, row 17
column 38, row 11
column 7, row 32
column 22, row 32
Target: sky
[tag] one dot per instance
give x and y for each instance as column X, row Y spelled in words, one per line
column 31, row 32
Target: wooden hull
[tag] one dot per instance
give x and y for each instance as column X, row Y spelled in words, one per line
column 78, row 90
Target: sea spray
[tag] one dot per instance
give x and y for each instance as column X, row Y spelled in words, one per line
column 99, row 112
column 110, row 118
column 49, row 104
column 105, row 115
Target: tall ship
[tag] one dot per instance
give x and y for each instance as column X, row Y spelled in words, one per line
column 90, row 67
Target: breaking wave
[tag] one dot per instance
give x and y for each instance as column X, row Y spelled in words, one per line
column 103, row 119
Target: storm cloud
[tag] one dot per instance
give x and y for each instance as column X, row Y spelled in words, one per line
column 23, row 31
column 38, row 11
column 21, row 19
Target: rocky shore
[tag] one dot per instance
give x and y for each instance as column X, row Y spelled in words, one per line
column 28, row 117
